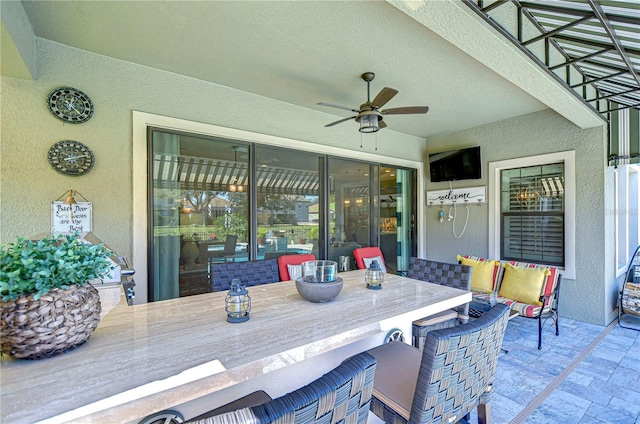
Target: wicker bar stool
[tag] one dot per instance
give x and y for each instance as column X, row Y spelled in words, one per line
column 445, row 382
column 451, row 275
column 341, row 395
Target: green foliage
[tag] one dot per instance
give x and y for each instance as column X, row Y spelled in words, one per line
column 28, row 266
column 314, row 233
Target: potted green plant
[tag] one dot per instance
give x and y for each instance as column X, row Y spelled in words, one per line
column 47, row 303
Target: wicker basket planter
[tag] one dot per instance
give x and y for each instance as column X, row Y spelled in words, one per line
column 58, row 321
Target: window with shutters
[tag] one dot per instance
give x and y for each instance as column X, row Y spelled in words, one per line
column 532, row 214
column 532, row 210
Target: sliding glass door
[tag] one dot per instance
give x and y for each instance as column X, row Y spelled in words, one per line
column 353, row 217
column 287, row 202
column 214, row 200
column 198, row 201
column 397, row 216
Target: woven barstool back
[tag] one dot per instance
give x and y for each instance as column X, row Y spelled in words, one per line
column 451, row 275
column 455, row 373
column 341, row 395
column 250, row 273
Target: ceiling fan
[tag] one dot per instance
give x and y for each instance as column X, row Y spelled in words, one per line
column 369, row 115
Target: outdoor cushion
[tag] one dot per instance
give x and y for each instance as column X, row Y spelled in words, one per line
column 523, row 309
column 295, row 271
column 368, row 261
column 483, row 275
column 437, row 318
column 551, row 281
column 523, row 284
column 293, row 259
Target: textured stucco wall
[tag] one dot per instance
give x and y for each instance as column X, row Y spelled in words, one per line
column 29, row 184
column 588, row 297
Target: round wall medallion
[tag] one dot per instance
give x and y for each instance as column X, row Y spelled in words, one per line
column 71, row 158
column 70, row 105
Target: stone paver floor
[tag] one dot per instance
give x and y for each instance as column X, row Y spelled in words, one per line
column 572, row 379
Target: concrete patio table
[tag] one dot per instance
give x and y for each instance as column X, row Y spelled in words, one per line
column 182, row 352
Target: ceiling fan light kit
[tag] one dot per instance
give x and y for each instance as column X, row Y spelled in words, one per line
column 368, row 122
column 368, row 115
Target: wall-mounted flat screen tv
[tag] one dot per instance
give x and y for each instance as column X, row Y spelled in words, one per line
column 460, row 164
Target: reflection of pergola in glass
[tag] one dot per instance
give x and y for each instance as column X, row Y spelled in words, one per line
column 196, row 173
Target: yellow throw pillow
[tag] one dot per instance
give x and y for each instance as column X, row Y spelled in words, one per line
column 523, row 284
column 482, row 274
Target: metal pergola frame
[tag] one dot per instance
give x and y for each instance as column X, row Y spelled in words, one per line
column 599, row 41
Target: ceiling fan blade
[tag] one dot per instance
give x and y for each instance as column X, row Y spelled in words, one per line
column 405, row 110
column 383, row 97
column 338, row 106
column 381, row 124
column 340, row 121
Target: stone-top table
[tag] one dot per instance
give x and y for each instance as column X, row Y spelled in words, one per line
column 149, row 357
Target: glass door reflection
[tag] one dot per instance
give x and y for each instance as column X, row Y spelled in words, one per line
column 353, row 207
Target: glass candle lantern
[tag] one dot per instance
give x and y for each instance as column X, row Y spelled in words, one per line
column 374, row 276
column 238, row 302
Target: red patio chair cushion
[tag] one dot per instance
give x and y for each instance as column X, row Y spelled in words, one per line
column 285, row 260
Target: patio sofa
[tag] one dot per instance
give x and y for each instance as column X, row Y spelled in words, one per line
column 530, row 290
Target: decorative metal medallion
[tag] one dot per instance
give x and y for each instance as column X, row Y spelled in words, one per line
column 70, row 105
column 71, row 158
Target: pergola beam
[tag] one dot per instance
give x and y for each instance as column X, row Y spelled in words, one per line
column 614, row 38
column 580, row 59
column 558, row 30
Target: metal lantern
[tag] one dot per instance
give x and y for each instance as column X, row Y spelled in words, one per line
column 374, row 276
column 238, row 302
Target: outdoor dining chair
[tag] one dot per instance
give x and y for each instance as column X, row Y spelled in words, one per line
column 227, row 252
column 451, row 275
column 290, row 266
column 365, row 255
column 250, row 273
column 445, row 382
column 343, row 395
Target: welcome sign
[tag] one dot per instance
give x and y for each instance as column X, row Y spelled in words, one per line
column 458, row 196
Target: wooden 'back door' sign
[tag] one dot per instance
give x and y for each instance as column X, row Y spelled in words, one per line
column 71, row 218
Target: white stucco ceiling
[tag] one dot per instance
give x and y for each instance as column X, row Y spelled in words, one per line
column 304, row 52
